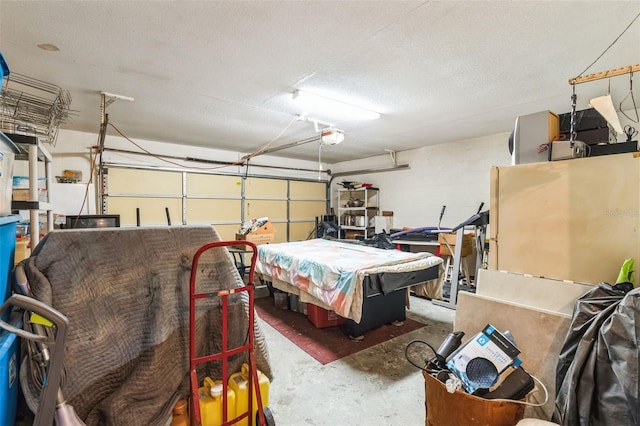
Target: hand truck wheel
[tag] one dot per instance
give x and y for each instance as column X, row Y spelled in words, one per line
column 268, row 417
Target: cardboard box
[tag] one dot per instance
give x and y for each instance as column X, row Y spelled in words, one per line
column 450, row 238
column 352, row 235
column 479, row 362
column 383, row 223
column 264, row 235
column 23, row 195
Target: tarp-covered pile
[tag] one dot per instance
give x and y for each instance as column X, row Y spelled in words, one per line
column 597, row 374
column 126, row 295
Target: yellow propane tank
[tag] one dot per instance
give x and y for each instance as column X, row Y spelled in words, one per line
column 210, row 396
column 239, row 382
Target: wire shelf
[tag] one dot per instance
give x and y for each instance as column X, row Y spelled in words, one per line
column 33, row 107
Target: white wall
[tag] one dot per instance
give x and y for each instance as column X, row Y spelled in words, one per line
column 453, row 174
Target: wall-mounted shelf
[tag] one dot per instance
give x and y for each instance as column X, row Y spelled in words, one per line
column 29, row 148
column 31, row 205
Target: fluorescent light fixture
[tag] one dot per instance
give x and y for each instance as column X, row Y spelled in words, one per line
column 332, row 136
column 324, row 107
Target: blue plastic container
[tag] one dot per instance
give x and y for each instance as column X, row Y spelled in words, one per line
column 4, row 69
column 8, row 226
column 9, row 379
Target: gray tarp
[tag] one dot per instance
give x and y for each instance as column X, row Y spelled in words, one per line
column 597, row 373
column 126, row 295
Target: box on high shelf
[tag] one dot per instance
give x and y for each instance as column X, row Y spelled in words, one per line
column 24, row 195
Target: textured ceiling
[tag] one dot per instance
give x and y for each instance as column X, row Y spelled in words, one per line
column 220, row 74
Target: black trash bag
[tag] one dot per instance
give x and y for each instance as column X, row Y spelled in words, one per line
column 326, row 230
column 597, row 372
column 381, row 241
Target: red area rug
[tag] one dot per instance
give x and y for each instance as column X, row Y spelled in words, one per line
column 325, row 344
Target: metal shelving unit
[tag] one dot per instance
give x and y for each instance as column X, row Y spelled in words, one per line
column 370, row 208
column 29, row 148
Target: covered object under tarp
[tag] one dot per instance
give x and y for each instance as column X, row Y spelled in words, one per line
column 597, row 373
column 126, row 295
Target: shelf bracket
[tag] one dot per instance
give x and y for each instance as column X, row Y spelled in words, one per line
column 392, row 154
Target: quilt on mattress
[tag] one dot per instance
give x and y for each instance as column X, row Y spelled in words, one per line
column 332, row 272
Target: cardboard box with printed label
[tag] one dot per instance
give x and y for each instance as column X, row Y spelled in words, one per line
column 264, row 235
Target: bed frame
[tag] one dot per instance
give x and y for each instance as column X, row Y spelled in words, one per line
column 384, row 299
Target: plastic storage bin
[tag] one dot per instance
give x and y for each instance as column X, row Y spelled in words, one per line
column 322, row 318
column 9, row 363
column 6, row 183
column 7, row 252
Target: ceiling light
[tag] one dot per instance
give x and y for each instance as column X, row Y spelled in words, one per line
column 324, row 107
column 332, row 136
column 49, row 47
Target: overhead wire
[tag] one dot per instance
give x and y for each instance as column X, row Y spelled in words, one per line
column 240, row 162
column 157, row 157
column 92, row 167
column 268, row 144
column 92, row 159
column 610, row 46
column 633, row 100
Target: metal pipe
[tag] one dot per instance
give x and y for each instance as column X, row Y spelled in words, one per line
column 201, row 160
column 104, row 119
column 358, row 172
column 34, row 219
column 291, row 145
column 375, row 170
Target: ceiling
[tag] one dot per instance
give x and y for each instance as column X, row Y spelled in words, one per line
column 221, row 74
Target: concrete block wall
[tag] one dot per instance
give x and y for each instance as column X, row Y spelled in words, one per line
column 453, row 174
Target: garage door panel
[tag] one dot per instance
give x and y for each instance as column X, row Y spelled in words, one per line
column 152, row 210
column 302, row 230
column 307, row 190
column 273, row 209
column 140, row 181
column 213, row 210
column 268, row 188
column 306, row 209
column 227, row 232
column 214, row 185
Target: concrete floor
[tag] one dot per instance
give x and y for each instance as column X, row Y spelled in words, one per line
column 376, row 386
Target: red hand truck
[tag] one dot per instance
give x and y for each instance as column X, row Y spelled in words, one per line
column 263, row 414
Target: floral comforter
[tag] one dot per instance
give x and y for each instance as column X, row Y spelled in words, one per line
column 332, row 272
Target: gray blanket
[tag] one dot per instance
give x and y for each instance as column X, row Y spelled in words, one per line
column 126, row 295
